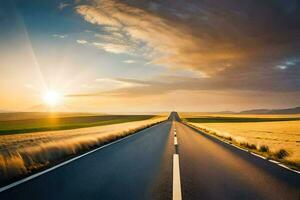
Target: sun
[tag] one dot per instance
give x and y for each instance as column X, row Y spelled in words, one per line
column 52, row 98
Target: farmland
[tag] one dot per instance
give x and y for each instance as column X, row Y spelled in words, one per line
column 274, row 132
column 12, row 123
column 26, row 153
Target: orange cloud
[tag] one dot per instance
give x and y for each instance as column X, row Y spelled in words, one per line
column 174, row 44
column 236, row 42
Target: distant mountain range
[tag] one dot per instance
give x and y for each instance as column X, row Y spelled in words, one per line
column 295, row 110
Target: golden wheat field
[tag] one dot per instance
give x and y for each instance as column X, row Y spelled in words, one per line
column 21, row 154
column 276, row 135
column 202, row 114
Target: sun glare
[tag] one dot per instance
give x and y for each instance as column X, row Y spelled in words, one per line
column 52, row 98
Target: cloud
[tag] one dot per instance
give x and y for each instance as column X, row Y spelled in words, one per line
column 81, row 41
column 282, row 67
column 165, row 84
column 92, row 15
column 113, row 48
column 62, row 5
column 60, row 36
column 129, row 61
column 114, row 40
column 110, row 87
column 225, row 42
column 119, row 83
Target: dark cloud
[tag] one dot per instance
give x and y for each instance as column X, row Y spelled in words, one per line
column 234, row 44
column 167, row 84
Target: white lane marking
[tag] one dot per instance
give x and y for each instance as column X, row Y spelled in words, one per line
column 257, row 155
column 175, row 141
column 176, row 178
column 274, row 161
column 262, row 157
column 68, row 161
column 239, row 147
column 286, row 167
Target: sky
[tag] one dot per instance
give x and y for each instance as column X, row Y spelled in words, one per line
column 149, row 55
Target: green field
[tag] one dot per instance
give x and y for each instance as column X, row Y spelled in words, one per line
column 61, row 122
column 209, row 119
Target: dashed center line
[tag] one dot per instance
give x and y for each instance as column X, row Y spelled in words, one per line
column 176, row 178
column 175, row 141
column 176, row 171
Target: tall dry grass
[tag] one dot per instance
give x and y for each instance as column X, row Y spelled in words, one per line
column 205, row 115
column 275, row 140
column 24, row 154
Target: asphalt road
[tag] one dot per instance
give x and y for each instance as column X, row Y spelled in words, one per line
column 211, row 169
column 142, row 167
column 135, row 168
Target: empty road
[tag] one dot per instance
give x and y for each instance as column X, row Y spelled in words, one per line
column 167, row 161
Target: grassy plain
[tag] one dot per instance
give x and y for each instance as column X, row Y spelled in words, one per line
column 237, row 119
column 26, row 153
column 12, row 123
column 265, row 134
